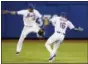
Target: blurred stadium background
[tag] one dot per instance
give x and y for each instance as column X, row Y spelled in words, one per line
column 72, row 50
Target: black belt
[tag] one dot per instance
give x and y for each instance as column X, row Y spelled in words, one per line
column 60, row 32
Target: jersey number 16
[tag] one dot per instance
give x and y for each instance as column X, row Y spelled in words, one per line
column 62, row 25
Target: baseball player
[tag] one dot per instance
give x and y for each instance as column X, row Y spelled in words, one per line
column 30, row 25
column 60, row 23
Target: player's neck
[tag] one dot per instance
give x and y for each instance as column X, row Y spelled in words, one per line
column 64, row 19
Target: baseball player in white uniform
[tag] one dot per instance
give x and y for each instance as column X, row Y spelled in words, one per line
column 60, row 23
column 30, row 25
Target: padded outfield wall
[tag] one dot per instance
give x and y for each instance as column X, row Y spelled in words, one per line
column 11, row 25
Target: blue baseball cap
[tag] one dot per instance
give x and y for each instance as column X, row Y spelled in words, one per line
column 63, row 14
column 31, row 6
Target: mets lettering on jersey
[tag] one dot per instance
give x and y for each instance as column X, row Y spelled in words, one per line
column 29, row 18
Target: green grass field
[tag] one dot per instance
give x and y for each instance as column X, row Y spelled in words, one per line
column 34, row 51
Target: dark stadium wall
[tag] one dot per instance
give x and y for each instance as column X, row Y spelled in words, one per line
column 11, row 25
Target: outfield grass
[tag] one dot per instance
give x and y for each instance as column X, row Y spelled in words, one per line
column 34, row 51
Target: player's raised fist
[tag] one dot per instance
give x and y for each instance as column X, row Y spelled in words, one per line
column 4, row 11
column 80, row 29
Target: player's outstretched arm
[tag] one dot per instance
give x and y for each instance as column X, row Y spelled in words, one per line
column 8, row 12
column 79, row 29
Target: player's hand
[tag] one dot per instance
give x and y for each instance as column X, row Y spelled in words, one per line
column 12, row 12
column 80, row 29
column 5, row 11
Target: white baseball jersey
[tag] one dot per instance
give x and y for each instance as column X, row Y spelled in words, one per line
column 61, row 24
column 29, row 18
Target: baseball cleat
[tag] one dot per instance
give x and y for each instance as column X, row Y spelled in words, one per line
column 51, row 59
column 17, row 53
